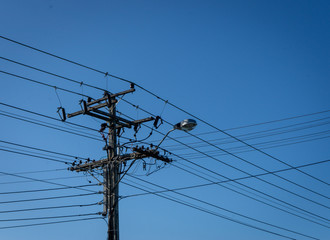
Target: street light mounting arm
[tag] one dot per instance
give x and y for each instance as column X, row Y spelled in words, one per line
column 185, row 125
column 165, row 137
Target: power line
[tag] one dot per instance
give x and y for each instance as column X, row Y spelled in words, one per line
column 47, row 223
column 79, row 82
column 272, row 143
column 240, row 171
column 210, row 212
column 282, row 145
column 210, row 144
column 49, row 198
column 221, row 208
column 48, row 189
column 203, row 153
column 263, row 202
column 40, row 171
column 158, row 97
column 47, row 126
column 258, row 134
column 31, row 155
column 256, row 149
column 263, row 123
column 41, row 180
column 155, row 95
column 229, row 165
column 224, row 132
column 43, row 150
column 255, row 199
column 50, row 217
column 49, row 73
column 231, row 180
column 48, row 208
column 53, row 55
column 45, row 116
column 42, row 83
column 258, row 191
column 37, row 153
column 233, row 155
column 46, row 181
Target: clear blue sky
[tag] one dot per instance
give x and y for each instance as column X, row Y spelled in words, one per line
column 231, row 63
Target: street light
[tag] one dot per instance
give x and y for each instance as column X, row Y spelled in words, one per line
column 185, row 125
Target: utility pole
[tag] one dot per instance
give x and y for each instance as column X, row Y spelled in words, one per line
column 113, row 176
column 112, row 164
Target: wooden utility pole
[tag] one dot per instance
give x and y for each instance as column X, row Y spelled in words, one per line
column 111, row 165
column 113, row 177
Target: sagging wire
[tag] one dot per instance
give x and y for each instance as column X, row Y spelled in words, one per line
column 101, row 183
column 123, row 175
column 158, row 168
column 157, row 123
column 106, row 222
column 106, row 75
column 60, row 110
column 165, row 104
column 119, row 100
column 135, row 141
column 82, row 88
column 145, row 164
column 137, row 111
column 55, row 88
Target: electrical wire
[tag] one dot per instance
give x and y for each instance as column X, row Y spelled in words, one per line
column 47, row 189
column 46, row 181
column 254, row 189
column 272, row 143
column 258, row 134
column 49, row 198
column 231, row 180
column 247, row 174
column 49, row 117
column 37, row 153
column 43, row 150
column 47, row 126
column 260, row 192
column 238, row 157
column 150, row 92
column 158, row 97
column 221, row 208
column 41, row 180
column 210, row 212
column 53, row 55
column 258, row 200
column 42, row 83
column 50, row 217
column 47, row 223
column 36, row 156
column 226, row 152
column 165, row 102
column 40, row 171
column 49, row 73
column 262, row 123
column 49, row 207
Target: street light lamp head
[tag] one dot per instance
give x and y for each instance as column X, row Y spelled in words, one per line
column 186, row 125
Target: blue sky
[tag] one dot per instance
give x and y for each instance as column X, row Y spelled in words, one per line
column 230, row 63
